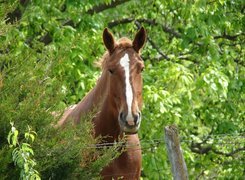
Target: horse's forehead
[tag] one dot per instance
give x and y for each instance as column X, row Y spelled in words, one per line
column 132, row 55
column 119, row 53
column 124, row 43
column 126, row 57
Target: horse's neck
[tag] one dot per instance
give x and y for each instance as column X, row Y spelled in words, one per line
column 106, row 122
column 95, row 97
column 92, row 100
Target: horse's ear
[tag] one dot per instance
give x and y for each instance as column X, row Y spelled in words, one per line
column 108, row 40
column 139, row 39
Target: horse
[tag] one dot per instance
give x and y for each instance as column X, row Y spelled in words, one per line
column 119, row 93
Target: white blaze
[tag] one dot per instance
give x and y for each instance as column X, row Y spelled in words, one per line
column 124, row 62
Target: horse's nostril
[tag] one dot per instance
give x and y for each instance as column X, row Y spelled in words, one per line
column 136, row 118
column 121, row 116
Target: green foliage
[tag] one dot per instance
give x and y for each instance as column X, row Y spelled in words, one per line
column 23, row 153
column 194, row 77
column 73, row 153
column 32, row 89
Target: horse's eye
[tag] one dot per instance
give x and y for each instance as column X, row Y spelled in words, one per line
column 111, row 71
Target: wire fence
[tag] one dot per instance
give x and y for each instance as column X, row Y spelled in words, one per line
column 146, row 144
column 159, row 141
column 152, row 144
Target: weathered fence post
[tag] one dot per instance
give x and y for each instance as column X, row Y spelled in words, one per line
column 178, row 166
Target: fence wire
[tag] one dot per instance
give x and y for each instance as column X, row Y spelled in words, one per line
column 149, row 144
column 152, row 144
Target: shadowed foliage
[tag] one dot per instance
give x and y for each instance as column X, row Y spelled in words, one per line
column 194, row 78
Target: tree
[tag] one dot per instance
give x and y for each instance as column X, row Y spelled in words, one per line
column 194, row 75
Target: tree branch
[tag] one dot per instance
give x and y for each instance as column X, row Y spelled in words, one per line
column 229, row 37
column 102, row 7
column 199, row 148
column 165, row 28
column 164, row 56
column 16, row 14
column 120, row 21
column 151, row 22
column 230, row 153
column 46, row 39
column 204, row 148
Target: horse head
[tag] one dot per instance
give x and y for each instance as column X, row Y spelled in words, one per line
column 124, row 66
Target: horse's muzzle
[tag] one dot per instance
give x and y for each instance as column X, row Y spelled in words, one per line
column 129, row 124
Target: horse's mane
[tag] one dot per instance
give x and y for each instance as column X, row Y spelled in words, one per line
column 122, row 44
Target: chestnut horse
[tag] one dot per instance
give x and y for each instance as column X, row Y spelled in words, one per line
column 119, row 93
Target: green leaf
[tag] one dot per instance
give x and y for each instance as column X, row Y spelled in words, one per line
column 15, row 137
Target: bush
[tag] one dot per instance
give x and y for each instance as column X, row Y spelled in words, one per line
column 31, row 91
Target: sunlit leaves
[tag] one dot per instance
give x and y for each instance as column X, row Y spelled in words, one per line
column 22, row 153
column 216, row 83
column 200, row 87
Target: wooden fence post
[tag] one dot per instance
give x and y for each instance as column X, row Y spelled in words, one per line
column 178, row 166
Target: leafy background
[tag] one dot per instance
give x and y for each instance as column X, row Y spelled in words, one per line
column 194, row 77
